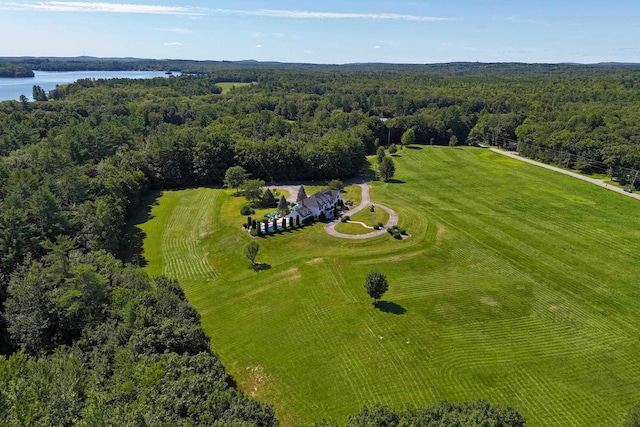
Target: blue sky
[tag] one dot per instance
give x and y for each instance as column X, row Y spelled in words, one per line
column 327, row 31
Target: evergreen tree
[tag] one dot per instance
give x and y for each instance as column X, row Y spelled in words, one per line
column 301, row 194
column 283, row 206
column 268, row 201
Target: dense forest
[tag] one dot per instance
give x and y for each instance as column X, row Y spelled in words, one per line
column 14, row 70
column 89, row 339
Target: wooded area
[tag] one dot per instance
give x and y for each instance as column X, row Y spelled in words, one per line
column 75, row 168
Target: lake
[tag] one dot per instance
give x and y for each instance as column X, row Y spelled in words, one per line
column 12, row 88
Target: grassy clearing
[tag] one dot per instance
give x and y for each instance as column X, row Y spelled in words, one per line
column 227, row 86
column 519, row 285
column 365, row 216
column 371, row 218
column 352, row 228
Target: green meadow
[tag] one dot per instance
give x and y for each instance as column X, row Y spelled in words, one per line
column 517, row 284
column 228, row 86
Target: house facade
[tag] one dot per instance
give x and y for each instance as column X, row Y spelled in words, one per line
column 324, row 201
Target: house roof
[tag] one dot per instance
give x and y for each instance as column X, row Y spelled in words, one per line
column 303, row 211
column 321, row 198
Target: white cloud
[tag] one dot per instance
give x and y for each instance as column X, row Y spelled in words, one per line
column 107, row 7
column 279, row 35
column 306, row 51
column 181, row 30
column 258, row 46
column 301, row 14
column 376, row 47
column 173, row 44
column 258, row 35
column 76, row 6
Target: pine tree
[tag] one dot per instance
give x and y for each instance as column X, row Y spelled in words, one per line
column 301, row 194
column 283, row 206
column 268, row 201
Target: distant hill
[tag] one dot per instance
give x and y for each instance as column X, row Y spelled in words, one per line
column 90, row 63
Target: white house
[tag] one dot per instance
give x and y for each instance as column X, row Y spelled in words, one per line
column 323, row 201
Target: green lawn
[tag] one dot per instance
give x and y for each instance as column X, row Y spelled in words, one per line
column 364, row 216
column 518, row 285
column 227, row 86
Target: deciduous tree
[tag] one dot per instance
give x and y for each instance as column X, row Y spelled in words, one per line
column 336, row 184
column 251, row 251
column 234, row 177
column 375, row 283
column 409, row 137
column 387, row 169
column 252, row 189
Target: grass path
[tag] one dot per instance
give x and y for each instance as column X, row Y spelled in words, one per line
column 518, row 285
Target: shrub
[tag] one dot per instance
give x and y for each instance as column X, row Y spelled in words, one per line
column 403, row 231
column 372, row 208
column 397, row 235
column 246, row 210
column 254, row 232
column 336, row 184
column 376, row 227
column 344, row 219
column 380, row 225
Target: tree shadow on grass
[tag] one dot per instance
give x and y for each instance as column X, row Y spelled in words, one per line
column 390, row 307
column 131, row 244
column 394, row 181
column 414, row 147
column 260, row 267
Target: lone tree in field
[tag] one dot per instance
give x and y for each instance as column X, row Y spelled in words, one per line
column 301, row 194
column 376, row 285
column 283, row 206
column 234, row 178
column 251, row 251
column 409, row 137
column 387, row 168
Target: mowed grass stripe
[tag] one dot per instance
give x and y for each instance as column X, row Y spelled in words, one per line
column 517, row 285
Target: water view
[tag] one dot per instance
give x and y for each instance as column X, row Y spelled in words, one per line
column 12, row 88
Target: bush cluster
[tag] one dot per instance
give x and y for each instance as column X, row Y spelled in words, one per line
column 246, row 210
column 397, row 232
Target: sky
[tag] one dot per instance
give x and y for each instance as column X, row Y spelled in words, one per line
column 327, row 31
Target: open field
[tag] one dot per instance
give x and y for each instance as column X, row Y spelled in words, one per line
column 227, row 86
column 518, row 285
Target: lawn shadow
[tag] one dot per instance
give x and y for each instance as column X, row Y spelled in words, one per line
column 260, row 267
column 390, row 307
column 414, row 147
column 131, row 245
column 396, row 155
column 395, row 181
column 369, row 174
